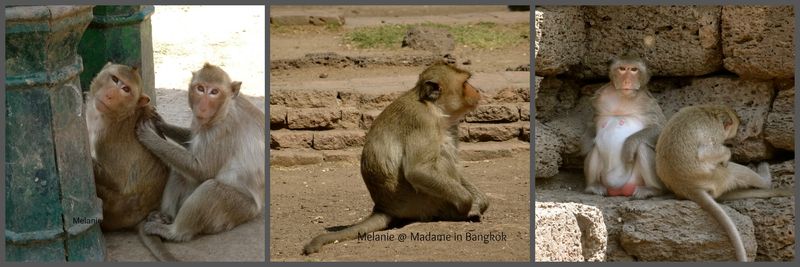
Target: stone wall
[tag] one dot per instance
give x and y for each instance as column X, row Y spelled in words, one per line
column 328, row 121
column 741, row 56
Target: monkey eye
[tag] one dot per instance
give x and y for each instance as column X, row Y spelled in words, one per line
column 214, row 91
column 634, row 69
column 126, row 89
column 622, row 68
column 201, row 88
column 114, row 78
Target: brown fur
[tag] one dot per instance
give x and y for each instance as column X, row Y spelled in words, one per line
column 409, row 162
column 694, row 164
column 130, row 179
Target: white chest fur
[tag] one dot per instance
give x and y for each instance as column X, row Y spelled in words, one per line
column 612, row 131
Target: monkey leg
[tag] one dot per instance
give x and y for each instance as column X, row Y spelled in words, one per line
column 645, row 167
column 212, row 208
column 479, row 201
column 434, row 180
column 592, row 166
column 176, row 191
column 743, row 177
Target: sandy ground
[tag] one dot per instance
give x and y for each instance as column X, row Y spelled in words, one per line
column 307, row 200
column 238, row 46
column 233, row 37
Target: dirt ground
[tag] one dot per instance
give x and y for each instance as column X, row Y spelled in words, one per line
column 307, row 200
column 304, row 40
column 237, row 46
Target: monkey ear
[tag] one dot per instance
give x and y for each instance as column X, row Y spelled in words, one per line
column 144, row 100
column 107, row 64
column 430, row 91
column 235, row 87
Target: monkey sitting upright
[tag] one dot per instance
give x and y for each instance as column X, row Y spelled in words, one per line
column 130, row 179
column 218, row 180
column 410, row 161
column 621, row 140
column 693, row 162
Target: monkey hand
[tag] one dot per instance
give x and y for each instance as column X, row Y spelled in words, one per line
column 146, row 133
column 629, row 151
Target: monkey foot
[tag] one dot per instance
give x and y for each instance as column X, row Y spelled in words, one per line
column 473, row 217
column 158, row 217
column 596, row 189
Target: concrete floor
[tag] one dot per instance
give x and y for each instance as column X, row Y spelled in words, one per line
column 244, row 243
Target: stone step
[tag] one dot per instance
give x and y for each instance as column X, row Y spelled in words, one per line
column 486, row 81
column 355, row 118
column 467, row 152
column 338, row 139
column 378, row 92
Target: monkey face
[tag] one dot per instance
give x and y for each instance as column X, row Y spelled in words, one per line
column 461, row 97
column 628, row 75
column 116, row 90
column 471, row 96
column 627, row 79
column 209, row 94
column 206, row 99
column 448, row 88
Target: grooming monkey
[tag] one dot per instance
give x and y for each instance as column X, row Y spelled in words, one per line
column 218, row 180
column 409, row 162
column 693, row 162
column 621, row 141
column 130, row 179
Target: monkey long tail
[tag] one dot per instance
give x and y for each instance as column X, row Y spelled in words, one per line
column 756, row 193
column 154, row 244
column 708, row 203
column 375, row 222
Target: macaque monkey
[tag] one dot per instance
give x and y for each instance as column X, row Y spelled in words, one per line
column 693, row 162
column 621, row 141
column 130, row 179
column 409, row 162
column 218, row 179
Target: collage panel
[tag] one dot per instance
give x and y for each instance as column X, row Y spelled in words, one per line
column 135, row 133
column 399, row 133
column 664, row 133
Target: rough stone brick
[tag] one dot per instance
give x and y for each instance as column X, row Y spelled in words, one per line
column 338, row 139
column 494, row 113
column 313, row 118
column 290, row 139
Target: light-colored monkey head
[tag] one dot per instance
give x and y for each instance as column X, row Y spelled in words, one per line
column 116, row 91
column 629, row 74
column 730, row 121
column 210, row 92
column 448, row 87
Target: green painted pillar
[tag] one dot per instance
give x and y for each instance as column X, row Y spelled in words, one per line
column 52, row 210
column 123, row 35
